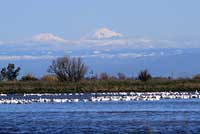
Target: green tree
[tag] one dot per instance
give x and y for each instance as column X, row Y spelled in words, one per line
column 10, row 73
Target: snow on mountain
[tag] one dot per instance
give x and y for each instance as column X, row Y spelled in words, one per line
column 103, row 33
column 47, row 37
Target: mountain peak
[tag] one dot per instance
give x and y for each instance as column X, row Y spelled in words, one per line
column 103, row 33
column 45, row 37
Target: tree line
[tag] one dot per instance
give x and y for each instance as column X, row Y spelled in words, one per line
column 71, row 69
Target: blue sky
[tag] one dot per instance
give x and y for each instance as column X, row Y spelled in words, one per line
column 127, row 34
column 71, row 19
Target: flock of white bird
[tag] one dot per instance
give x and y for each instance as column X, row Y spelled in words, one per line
column 98, row 97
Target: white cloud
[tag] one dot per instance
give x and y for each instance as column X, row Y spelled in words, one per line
column 27, row 57
column 96, row 52
column 119, row 55
column 106, row 37
column 1, row 42
column 99, row 45
column 99, row 56
column 102, row 42
column 102, row 39
column 135, row 55
column 162, row 53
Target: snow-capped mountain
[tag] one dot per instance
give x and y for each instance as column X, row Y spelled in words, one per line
column 47, row 37
column 103, row 33
column 105, row 47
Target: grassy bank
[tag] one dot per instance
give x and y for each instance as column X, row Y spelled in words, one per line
column 99, row 86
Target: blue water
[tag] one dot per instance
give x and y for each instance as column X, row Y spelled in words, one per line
column 164, row 116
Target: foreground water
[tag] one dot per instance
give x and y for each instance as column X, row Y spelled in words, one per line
column 163, row 116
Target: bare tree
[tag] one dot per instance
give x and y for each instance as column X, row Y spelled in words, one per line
column 68, row 69
column 144, row 75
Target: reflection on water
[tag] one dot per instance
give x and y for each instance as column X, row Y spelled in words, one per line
column 164, row 116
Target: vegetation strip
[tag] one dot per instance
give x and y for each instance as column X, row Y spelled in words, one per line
column 99, row 86
column 70, row 74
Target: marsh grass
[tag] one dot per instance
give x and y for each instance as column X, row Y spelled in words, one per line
column 99, row 86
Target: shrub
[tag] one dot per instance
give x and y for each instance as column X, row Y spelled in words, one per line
column 104, row 76
column 144, row 75
column 112, row 77
column 49, row 78
column 196, row 77
column 94, row 77
column 121, row 76
column 29, row 77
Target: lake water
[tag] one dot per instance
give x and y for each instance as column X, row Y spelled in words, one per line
column 163, row 116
